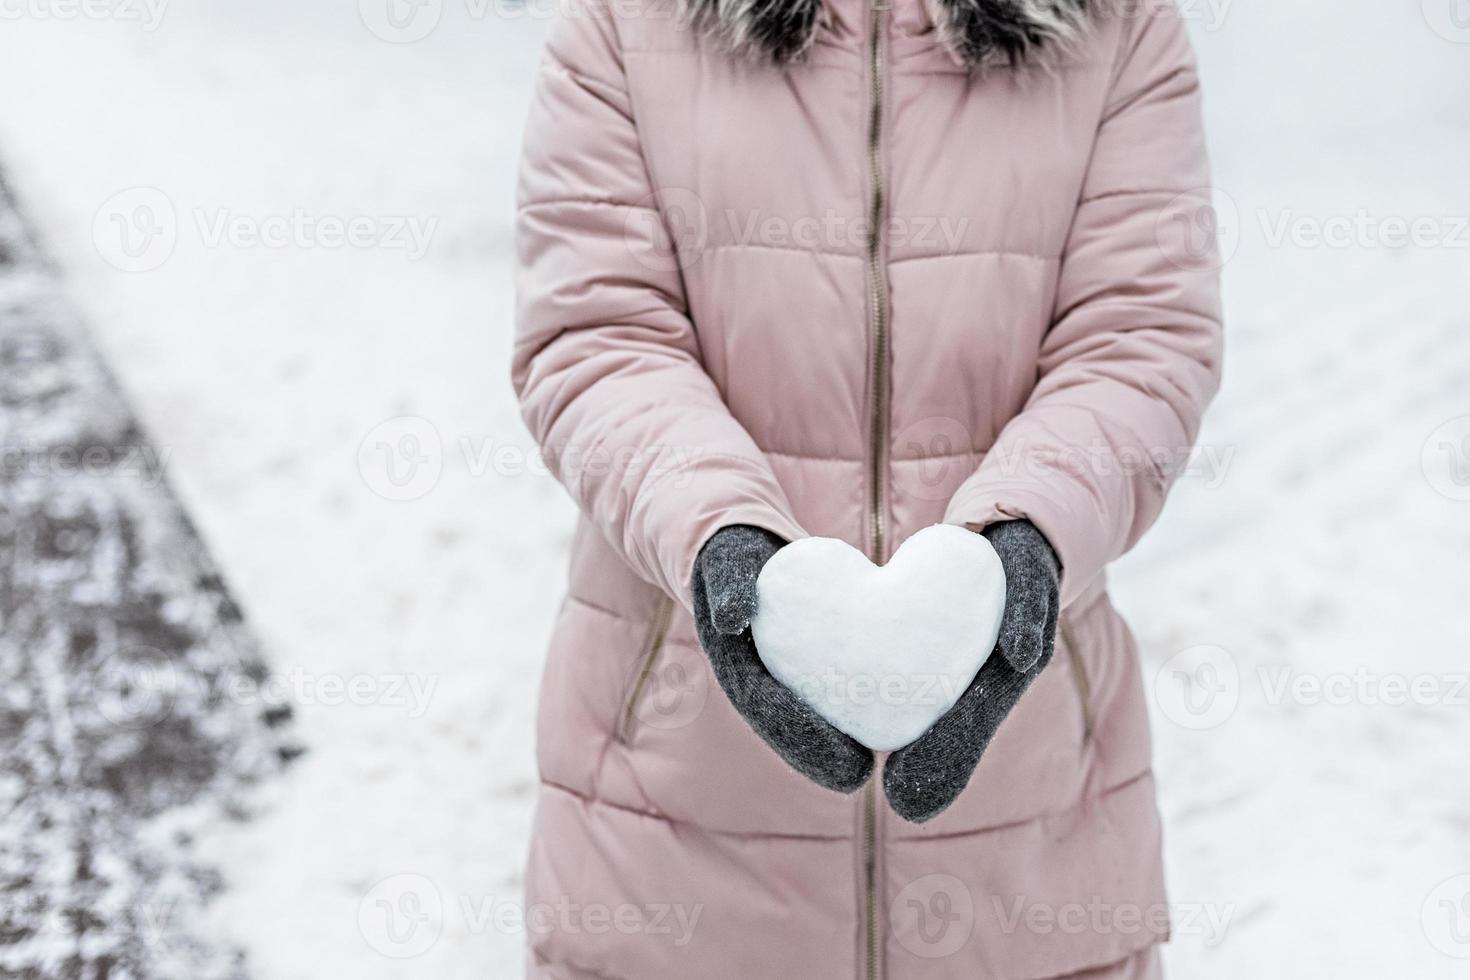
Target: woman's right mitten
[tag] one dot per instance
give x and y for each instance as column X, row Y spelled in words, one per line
column 724, row 602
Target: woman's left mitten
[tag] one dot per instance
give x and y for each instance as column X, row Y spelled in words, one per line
column 724, row 601
column 923, row 778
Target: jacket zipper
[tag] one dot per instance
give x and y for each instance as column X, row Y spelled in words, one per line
column 1079, row 677
column 658, row 631
column 877, row 296
column 870, row 875
column 877, row 431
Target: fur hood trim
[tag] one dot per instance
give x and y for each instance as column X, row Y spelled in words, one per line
column 977, row 32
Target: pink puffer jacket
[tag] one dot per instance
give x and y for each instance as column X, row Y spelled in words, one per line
column 714, row 329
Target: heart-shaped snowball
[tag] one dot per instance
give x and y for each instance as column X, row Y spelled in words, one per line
column 881, row 652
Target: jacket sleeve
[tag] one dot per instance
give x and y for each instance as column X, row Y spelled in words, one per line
column 606, row 361
column 1133, row 355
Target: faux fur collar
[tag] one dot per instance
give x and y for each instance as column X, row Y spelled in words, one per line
column 978, row 32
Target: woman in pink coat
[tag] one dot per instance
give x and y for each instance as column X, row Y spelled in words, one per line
column 850, row 268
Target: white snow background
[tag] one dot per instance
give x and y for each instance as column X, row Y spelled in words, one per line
column 1320, row 546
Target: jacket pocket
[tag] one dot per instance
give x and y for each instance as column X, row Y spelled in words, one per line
column 647, row 662
column 1067, row 637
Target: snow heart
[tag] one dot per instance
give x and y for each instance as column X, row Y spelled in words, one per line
column 881, row 652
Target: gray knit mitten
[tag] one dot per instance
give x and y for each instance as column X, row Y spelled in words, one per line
column 924, row 777
column 724, row 601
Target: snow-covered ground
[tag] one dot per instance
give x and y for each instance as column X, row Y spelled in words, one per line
column 120, row 656
column 340, row 427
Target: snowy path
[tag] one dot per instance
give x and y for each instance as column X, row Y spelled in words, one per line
column 1320, row 829
column 130, row 718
